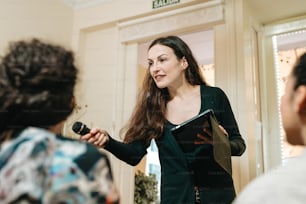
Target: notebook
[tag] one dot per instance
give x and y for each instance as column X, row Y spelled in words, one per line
column 186, row 132
column 186, row 135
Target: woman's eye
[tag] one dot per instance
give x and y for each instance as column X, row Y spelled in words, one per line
column 162, row 60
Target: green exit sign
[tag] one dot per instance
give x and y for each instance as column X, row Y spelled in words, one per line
column 161, row 3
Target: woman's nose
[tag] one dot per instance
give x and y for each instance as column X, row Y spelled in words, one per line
column 155, row 67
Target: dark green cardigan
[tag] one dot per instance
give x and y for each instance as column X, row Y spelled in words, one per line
column 178, row 170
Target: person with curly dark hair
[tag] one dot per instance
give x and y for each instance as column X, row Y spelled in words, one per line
column 37, row 163
column 173, row 92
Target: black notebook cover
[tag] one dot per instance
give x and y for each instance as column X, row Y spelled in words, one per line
column 186, row 135
column 186, row 132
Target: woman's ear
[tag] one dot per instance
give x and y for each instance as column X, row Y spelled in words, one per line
column 184, row 63
column 300, row 99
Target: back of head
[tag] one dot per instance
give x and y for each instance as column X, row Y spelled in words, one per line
column 37, row 82
column 299, row 71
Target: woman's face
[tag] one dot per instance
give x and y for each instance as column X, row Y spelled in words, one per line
column 290, row 112
column 165, row 68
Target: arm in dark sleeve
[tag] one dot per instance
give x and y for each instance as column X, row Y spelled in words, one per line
column 131, row 153
column 227, row 119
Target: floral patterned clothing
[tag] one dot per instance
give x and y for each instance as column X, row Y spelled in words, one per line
column 41, row 167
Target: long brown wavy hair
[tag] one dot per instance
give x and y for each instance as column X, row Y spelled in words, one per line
column 148, row 118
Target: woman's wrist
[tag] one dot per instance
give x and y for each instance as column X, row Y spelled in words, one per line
column 106, row 142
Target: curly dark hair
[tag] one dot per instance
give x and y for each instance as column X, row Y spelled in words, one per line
column 37, row 82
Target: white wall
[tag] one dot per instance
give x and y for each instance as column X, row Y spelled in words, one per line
column 46, row 19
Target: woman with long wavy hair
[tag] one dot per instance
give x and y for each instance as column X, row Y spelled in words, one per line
column 173, row 92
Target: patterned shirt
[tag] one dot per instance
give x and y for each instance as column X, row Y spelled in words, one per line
column 41, row 167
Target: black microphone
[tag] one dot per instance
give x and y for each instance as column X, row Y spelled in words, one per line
column 80, row 128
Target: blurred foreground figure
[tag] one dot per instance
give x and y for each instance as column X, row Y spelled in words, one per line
column 37, row 164
column 286, row 184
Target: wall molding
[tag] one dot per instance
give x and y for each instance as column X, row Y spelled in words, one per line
column 197, row 16
column 290, row 25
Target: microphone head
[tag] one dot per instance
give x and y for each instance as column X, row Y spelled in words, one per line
column 80, row 128
column 77, row 126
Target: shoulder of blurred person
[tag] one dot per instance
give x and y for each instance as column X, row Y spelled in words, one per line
column 62, row 168
column 285, row 184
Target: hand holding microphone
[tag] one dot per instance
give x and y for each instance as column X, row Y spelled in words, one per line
column 95, row 136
